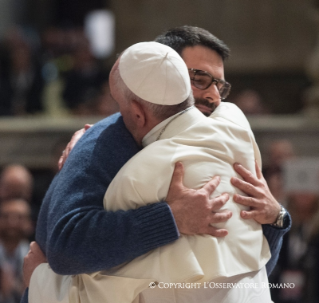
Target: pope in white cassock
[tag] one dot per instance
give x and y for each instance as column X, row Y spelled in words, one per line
column 207, row 146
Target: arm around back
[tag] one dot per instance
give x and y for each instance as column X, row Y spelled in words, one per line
column 75, row 232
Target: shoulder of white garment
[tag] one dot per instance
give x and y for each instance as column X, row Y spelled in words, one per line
column 232, row 113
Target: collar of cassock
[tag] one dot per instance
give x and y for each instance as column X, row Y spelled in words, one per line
column 173, row 125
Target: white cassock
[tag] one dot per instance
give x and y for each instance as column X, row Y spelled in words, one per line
column 207, row 147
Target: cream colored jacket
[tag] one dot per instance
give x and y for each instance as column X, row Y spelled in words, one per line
column 207, row 147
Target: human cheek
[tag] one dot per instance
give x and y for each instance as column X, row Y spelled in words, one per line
column 197, row 93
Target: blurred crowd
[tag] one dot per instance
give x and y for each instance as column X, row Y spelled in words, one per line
column 52, row 73
column 298, row 261
column 56, row 74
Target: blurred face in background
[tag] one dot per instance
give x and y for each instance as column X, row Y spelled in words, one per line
column 304, row 202
column 16, row 182
column 280, row 151
column 15, row 221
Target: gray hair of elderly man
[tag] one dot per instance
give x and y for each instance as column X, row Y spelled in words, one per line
column 161, row 112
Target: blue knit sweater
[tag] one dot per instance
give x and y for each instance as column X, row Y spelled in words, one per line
column 75, row 232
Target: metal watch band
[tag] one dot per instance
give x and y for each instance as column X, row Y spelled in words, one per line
column 280, row 219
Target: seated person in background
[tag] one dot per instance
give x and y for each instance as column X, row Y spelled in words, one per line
column 251, row 103
column 15, row 228
column 150, row 82
column 298, row 260
column 16, row 181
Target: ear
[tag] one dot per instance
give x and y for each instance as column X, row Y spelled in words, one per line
column 139, row 114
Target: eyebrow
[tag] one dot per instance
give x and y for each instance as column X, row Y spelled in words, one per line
column 200, row 70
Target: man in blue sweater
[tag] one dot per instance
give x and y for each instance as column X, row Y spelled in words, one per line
column 77, row 235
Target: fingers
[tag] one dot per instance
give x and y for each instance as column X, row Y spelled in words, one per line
column 215, row 232
column 178, row 173
column 258, row 171
column 247, row 201
column 75, row 138
column 219, row 202
column 220, row 217
column 37, row 252
column 210, row 186
column 264, row 208
column 64, row 156
column 176, row 185
column 247, row 188
column 249, row 214
column 35, row 248
column 60, row 163
column 87, row 126
column 246, row 174
column 193, row 210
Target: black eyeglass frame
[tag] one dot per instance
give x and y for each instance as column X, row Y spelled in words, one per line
column 223, row 86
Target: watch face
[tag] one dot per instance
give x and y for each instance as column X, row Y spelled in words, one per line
column 280, row 219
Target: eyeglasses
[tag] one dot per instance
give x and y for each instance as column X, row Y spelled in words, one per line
column 203, row 80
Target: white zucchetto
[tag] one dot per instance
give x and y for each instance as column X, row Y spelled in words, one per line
column 156, row 73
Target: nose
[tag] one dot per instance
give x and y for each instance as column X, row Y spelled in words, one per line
column 211, row 94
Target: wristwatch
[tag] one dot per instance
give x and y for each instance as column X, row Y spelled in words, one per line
column 280, row 219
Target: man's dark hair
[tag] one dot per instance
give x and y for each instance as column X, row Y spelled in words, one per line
column 179, row 38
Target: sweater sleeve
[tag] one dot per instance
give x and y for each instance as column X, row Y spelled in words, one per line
column 75, row 232
column 274, row 236
column 91, row 239
column 24, row 298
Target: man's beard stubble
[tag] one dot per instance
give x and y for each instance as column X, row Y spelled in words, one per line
column 210, row 105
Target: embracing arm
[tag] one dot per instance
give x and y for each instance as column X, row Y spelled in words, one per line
column 131, row 233
column 75, row 138
column 75, row 232
column 264, row 209
column 67, row 259
column 79, row 236
column 87, row 238
column 91, row 239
